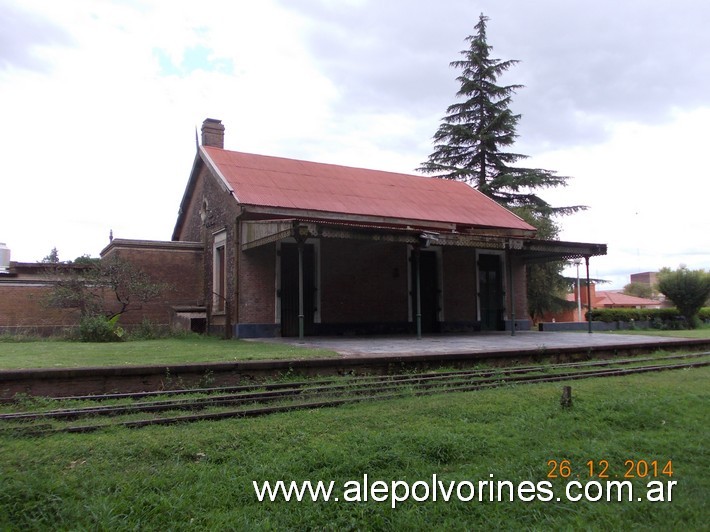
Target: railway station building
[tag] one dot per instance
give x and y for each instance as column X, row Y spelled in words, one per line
column 269, row 246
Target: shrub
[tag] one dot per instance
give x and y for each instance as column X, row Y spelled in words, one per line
column 688, row 289
column 98, row 328
column 621, row 314
column 146, row 330
column 660, row 318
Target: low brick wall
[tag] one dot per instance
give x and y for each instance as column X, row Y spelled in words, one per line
column 561, row 326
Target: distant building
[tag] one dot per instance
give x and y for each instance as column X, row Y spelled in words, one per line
column 648, row 278
column 601, row 299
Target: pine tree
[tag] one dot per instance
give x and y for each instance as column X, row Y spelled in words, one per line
column 52, row 258
column 470, row 142
column 470, row 145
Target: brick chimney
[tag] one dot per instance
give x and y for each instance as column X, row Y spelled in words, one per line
column 592, row 291
column 213, row 133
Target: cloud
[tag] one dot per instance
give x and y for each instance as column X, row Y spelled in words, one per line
column 644, row 188
column 385, row 56
column 99, row 126
column 22, row 36
column 587, row 66
column 583, row 65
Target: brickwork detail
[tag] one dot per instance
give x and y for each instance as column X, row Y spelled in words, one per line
column 257, row 275
column 176, row 269
column 211, row 210
column 460, row 284
column 23, row 306
column 363, row 282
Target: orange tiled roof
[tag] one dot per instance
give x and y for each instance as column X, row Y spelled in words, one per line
column 608, row 298
column 292, row 184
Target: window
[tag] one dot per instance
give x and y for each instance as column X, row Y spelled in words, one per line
column 219, row 272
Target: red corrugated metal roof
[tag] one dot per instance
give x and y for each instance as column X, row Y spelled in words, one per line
column 292, row 184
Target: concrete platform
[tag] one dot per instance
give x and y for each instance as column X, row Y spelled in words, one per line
column 360, row 355
column 477, row 343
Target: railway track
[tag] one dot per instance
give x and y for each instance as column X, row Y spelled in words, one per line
column 169, row 407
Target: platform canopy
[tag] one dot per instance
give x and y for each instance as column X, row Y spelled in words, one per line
column 257, row 233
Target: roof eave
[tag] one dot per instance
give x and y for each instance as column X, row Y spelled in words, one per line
column 187, row 195
column 368, row 219
column 214, row 168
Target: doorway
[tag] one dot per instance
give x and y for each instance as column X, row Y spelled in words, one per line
column 289, row 289
column 428, row 289
column 490, row 292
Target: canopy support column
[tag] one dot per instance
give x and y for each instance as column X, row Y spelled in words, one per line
column 589, row 296
column 418, row 291
column 511, row 289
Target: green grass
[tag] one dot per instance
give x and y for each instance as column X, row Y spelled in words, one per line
column 199, row 476
column 59, row 354
column 700, row 332
column 16, row 354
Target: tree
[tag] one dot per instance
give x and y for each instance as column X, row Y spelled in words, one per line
column 52, row 258
column 639, row 290
column 687, row 289
column 547, row 287
column 86, row 260
column 470, row 142
column 108, row 287
column 470, row 146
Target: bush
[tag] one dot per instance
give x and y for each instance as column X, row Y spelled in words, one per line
column 146, row 330
column 609, row 315
column 688, row 289
column 99, row 328
column 660, row 318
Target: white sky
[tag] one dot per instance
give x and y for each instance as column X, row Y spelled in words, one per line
column 99, row 102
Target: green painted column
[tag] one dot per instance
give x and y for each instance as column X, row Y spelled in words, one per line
column 589, row 297
column 300, row 290
column 511, row 289
column 418, row 291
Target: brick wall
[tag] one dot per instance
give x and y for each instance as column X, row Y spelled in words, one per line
column 363, row 282
column 459, row 284
column 257, row 276
column 177, row 265
column 23, row 308
column 520, row 291
column 211, row 210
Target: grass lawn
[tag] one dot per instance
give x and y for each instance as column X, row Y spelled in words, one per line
column 700, row 332
column 57, row 353
column 52, row 353
column 199, row 476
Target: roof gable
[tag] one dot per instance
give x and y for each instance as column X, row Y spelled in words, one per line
column 276, row 182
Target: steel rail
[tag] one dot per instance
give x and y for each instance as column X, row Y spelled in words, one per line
column 365, row 378
column 255, row 412
column 371, row 384
column 384, row 393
